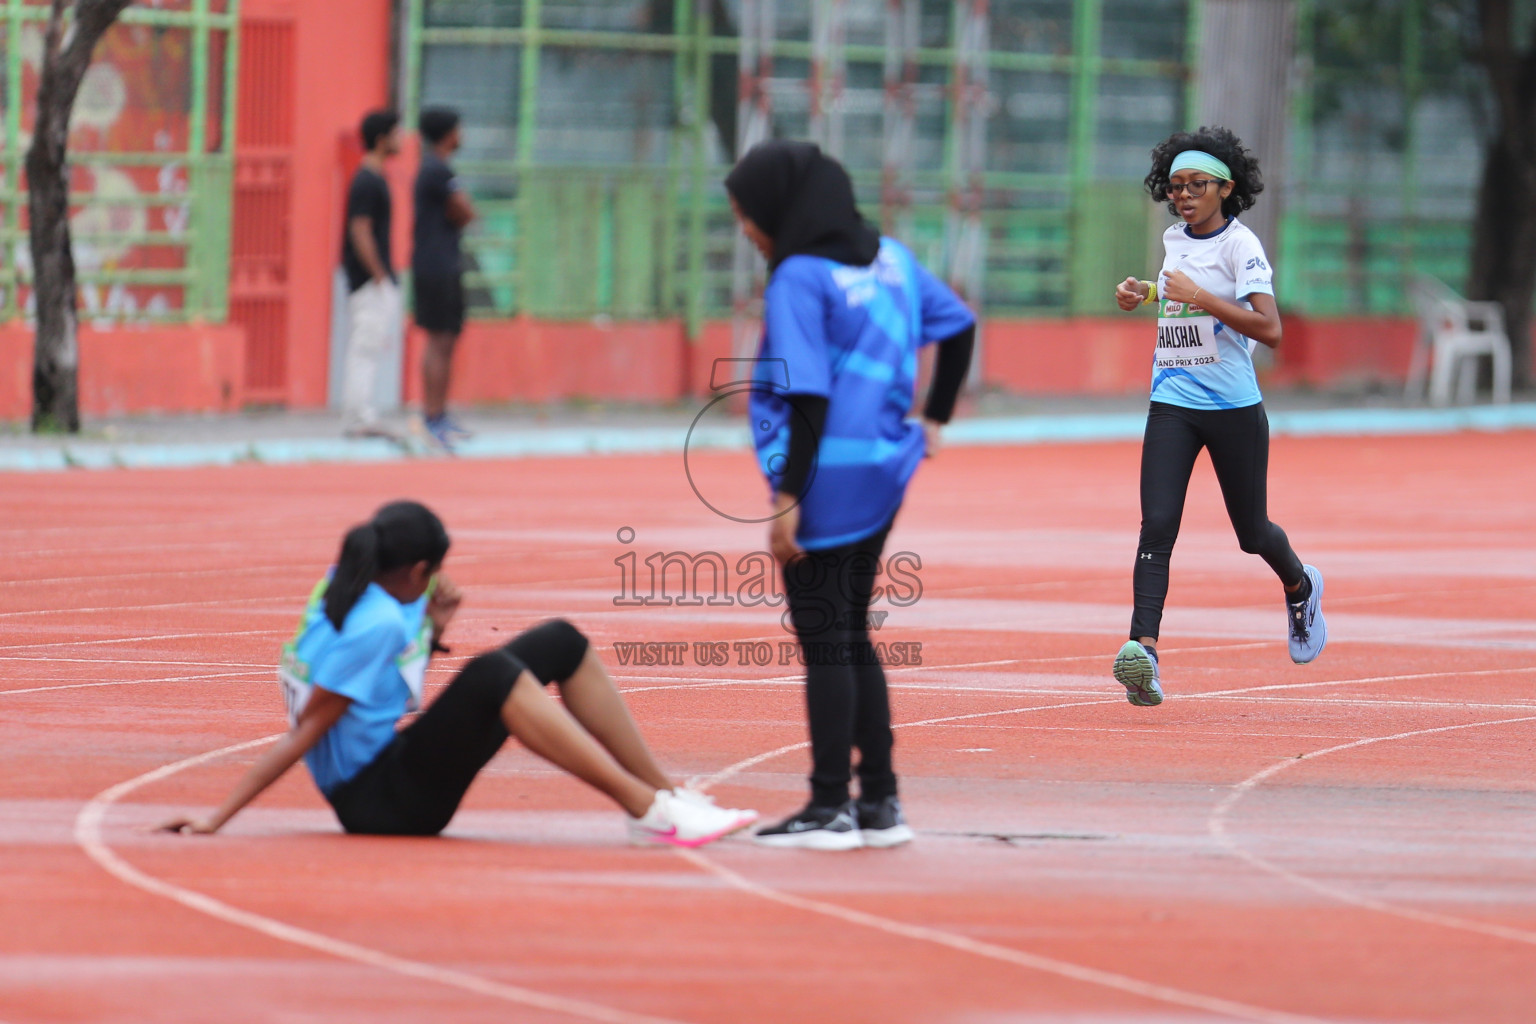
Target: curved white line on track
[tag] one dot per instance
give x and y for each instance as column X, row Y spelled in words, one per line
column 1081, row 972
column 1406, row 678
column 1018, row 958
column 1216, row 824
column 88, row 836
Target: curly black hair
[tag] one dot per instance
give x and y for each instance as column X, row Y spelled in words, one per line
column 1221, row 144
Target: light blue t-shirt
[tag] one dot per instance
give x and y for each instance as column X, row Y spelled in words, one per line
column 377, row 661
column 1201, row 363
column 849, row 334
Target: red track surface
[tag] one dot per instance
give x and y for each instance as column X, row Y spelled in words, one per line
column 1353, row 840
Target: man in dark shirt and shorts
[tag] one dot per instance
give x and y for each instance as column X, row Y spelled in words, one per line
column 442, row 211
column 374, row 310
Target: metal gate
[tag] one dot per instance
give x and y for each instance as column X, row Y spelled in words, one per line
column 263, row 192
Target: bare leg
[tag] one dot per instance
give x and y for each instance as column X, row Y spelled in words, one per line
column 594, row 701
column 546, row 729
column 436, row 362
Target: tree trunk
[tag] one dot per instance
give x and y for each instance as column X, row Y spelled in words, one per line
column 56, row 352
column 1504, row 246
column 1504, row 229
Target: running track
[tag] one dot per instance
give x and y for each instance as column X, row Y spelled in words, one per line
column 1350, row 841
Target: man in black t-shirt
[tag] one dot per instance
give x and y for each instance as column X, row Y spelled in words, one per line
column 374, row 311
column 442, row 211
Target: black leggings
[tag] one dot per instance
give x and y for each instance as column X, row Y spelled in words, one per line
column 845, row 693
column 416, row 783
column 1238, row 440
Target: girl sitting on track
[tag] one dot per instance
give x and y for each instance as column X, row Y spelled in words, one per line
column 1217, row 300
column 357, row 665
column 845, row 313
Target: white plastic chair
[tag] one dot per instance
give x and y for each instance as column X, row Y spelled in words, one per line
column 1453, row 332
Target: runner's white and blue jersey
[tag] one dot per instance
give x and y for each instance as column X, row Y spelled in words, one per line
column 851, row 335
column 377, row 660
column 1200, row 362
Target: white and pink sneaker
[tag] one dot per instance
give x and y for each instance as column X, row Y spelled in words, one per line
column 686, row 818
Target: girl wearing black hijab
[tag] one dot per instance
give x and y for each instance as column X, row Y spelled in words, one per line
column 845, row 312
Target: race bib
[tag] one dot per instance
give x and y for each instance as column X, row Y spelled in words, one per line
column 412, row 664
column 1186, row 336
column 293, row 675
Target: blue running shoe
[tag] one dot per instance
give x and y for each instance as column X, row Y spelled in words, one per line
column 455, row 428
column 439, row 433
column 1308, row 629
column 1136, row 670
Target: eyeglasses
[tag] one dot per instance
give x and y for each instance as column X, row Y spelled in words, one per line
column 1196, row 189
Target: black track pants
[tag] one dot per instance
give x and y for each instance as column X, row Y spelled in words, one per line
column 416, row 783
column 1238, row 441
column 845, row 693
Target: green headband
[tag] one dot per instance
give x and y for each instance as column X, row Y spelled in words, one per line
column 1196, row 160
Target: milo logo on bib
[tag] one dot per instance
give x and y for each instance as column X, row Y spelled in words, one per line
column 1186, row 336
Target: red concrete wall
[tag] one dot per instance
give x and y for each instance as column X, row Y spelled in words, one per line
column 191, row 368
column 1079, row 355
column 1097, row 356
column 187, row 368
column 1323, row 353
column 526, row 360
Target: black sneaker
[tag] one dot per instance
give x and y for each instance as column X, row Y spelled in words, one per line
column 816, row 828
column 881, row 823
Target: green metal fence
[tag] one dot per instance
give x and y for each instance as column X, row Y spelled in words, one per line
column 590, row 218
column 151, row 150
column 1387, row 152
column 598, row 132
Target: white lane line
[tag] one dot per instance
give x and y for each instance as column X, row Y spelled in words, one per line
column 88, row 836
column 138, row 661
column 1367, row 702
column 145, row 639
column 130, row 682
column 1018, row 958
column 224, row 603
column 705, row 782
column 1216, row 824
column 1408, row 678
column 1064, row 968
column 105, row 578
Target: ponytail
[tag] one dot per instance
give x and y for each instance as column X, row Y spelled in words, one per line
column 401, row 533
column 356, row 567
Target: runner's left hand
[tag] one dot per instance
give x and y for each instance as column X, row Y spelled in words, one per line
column 1178, row 287
column 443, row 604
column 932, row 437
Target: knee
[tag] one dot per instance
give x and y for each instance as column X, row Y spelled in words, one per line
column 1158, row 532
column 553, row 650
column 1252, row 540
column 567, row 643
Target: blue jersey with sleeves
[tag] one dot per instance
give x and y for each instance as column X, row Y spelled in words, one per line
column 849, row 334
column 377, row 660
